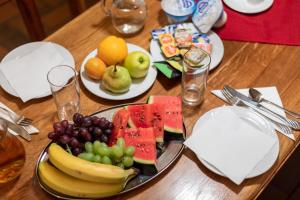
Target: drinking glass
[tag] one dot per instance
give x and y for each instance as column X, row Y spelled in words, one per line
column 12, row 155
column 196, row 64
column 65, row 90
column 128, row 16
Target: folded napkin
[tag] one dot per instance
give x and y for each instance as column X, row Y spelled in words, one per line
column 30, row 129
column 230, row 144
column 28, row 75
column 269, row 93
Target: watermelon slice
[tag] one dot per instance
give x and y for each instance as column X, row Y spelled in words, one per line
column 173, row 112
column 145, row 116
column 120, row 120
column 143, row 139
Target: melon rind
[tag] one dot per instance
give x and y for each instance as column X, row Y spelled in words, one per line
column 145, row 162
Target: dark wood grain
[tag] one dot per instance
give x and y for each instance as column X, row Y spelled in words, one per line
column 243, row 65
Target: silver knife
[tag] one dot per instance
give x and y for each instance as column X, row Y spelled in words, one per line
column 288, row 122
column 19, row 130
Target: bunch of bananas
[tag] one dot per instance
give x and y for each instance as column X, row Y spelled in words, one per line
column 76, row 177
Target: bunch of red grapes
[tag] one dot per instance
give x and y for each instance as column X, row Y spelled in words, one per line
column 84, row 129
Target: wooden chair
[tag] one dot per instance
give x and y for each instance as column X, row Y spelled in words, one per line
column 32, row 19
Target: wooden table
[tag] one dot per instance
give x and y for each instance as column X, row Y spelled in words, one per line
column 244, row 65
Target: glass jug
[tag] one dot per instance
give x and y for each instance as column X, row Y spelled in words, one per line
column 128, row 16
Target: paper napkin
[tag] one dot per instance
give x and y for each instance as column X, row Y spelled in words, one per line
column 30, row 129
column 269, row 93
column 230, row 144
column 28, row 75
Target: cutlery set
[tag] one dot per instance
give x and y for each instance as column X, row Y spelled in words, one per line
column 19, row 123
column 282, row 124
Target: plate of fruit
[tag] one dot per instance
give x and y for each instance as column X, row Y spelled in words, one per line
column 113, row 151
column 117, row 70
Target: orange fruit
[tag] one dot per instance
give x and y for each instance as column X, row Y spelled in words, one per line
column 95, row 68
column 112, row 50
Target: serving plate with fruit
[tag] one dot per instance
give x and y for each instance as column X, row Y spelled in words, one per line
column 117, row 70
column 113, row 151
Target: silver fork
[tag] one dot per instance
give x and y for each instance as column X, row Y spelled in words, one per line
column 235, row 101
column 18, row 119
column 286, row 121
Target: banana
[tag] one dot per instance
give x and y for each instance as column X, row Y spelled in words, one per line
column 87, row 170
column 63, row 183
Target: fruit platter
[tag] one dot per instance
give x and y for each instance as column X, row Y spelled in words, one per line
column 117, row 70
column 112, row 151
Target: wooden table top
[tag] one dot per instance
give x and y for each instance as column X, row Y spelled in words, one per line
column 243, row 65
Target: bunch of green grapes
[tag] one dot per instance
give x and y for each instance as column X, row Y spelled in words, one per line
column 118, row 154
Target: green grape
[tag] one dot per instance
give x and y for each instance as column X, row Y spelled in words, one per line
column 97, row 159
column 88, row 147
column 127, row 161
column 116, row 160
column 106, row 160
column 103, row 144
column 129, row 151
column 104, row 151
column 96, row 146
column 86, row 156
column 117, row 151
column 120, row 164
column 121, row 143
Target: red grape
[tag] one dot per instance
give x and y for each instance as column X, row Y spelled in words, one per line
column 87, row 122
column 52, row 136
column 97, row 132
column 77, row 119
column 69, row 129
column 76, row 151
column 75, row 133
column 104, row 138
column 74, row 143
column 64, row 139
column 107, row 132
column 111, row 125
column 87, row 137
column 64, row 123
column 95, row 120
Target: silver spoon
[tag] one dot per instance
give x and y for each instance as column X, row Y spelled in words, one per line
column 258, row 97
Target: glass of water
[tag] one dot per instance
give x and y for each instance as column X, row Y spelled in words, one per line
column 128, row 16
column 65, row 90
column 196, row 64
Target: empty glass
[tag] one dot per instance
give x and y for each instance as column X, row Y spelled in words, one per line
column 128, row 16
column 65, row 91
column 196, row 64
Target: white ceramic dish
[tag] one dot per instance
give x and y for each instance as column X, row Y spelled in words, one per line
column 216, row 54
column 261, row 124
column 25, row 49
column 246, row 6
column 138, row 86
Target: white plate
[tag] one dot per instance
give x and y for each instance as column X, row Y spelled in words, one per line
column 138, row 86
column 216, row 54
column 261, row 124
column 245, row 6
column 25, row 49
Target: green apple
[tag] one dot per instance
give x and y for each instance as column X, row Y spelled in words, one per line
column 116, row 79
column 137, row 64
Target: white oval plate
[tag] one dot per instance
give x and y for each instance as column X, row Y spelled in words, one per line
column 25, row 49
column 244, row 6
column 216, row 54
column 138, row 86
column 260, row 123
